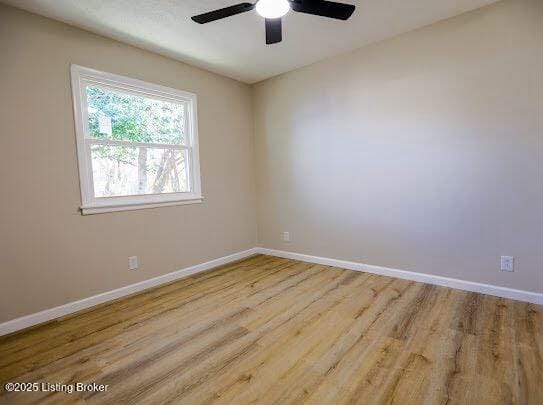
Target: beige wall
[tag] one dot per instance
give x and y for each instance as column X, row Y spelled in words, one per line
column 49, row 253
column 424, row 152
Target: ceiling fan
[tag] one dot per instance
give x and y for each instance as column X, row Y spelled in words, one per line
column 273, row 10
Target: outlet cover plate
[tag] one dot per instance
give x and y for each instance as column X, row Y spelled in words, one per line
column 507, row 263
column 133, row 263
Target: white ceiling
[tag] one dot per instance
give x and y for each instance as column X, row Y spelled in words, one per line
column 235, row 46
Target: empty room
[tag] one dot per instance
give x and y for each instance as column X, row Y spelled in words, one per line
column 271, row 202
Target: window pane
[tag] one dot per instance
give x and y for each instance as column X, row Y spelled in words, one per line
column 126, row 170
column 123, row 116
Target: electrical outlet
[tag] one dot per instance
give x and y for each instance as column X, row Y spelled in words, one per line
column 133, row 263
column 507, row 263
column 286, row 236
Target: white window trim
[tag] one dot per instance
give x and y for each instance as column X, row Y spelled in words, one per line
column 81, row 76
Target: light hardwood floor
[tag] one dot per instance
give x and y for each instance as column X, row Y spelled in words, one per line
column 270, row 330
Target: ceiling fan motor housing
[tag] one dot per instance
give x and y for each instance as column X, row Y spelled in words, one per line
column 273, row 10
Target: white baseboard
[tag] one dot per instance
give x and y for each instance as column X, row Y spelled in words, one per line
column 504, row 292
column 66, row 309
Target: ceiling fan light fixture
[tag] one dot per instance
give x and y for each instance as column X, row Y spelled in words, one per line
column 272, row 8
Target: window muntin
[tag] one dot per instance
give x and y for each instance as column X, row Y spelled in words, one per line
column 137, row 142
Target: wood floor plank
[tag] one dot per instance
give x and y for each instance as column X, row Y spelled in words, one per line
column 277, row 331
column 101, row 315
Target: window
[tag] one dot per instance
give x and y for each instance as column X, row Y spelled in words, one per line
column 137, row 143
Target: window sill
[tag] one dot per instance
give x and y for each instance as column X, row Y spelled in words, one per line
column 102, row 209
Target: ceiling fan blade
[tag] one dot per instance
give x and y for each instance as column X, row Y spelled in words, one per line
column 273, row 31
column 223, row 13
column 323, row 8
